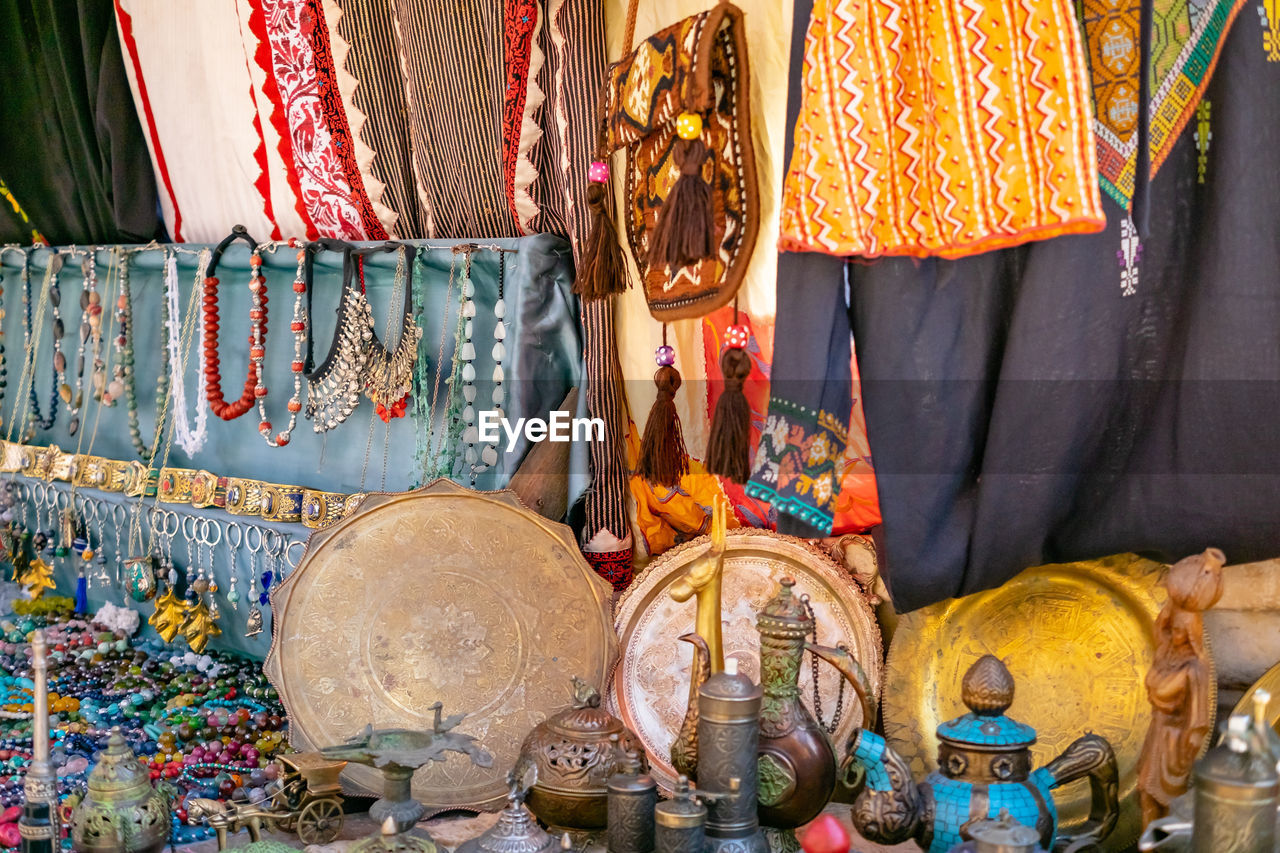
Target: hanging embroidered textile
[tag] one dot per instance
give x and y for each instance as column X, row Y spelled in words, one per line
column 270, row 147
column 70, row 146
column 1186, row 38
column 947, row 128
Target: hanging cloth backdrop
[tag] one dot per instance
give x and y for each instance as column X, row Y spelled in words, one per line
column 363, row 120
column 72, row 164
column 1023, row 410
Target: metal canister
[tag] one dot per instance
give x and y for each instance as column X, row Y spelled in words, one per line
column 680, row 823
column 1236, row 792
column 632, row 796
column 728, row 738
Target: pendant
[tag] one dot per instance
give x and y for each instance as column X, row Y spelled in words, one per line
column 253, row 626
column 141, row 579
column 198, row 626
column 169, row 615
column 37, row 578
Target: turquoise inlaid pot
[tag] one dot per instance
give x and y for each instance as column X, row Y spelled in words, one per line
column 984, row 770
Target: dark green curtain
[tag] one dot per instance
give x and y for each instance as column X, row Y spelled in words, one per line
column 71, row 149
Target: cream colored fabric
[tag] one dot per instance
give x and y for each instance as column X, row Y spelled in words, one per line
column 768, row 42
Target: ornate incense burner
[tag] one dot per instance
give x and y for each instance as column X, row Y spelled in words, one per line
column 121, row 811
column 984, row 766
column 575, row 758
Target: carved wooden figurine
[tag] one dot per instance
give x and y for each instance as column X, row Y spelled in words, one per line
column 1178, row 683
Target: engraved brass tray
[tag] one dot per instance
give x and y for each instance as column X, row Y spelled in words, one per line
column 650, row 685
column 1270, row 682
column 441, row 594
column 1078, row 639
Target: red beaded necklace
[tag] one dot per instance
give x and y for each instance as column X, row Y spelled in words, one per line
column 253, row 387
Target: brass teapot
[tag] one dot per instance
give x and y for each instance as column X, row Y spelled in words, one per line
column 984, row 767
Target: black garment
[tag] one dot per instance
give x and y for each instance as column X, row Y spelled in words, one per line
column 71, row 148
column 1021, row 410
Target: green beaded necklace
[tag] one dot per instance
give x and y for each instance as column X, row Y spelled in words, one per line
column 128, row 375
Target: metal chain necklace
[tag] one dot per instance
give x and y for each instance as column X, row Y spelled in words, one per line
column 390, row 372
column 817, row 698
column 191, row 441
column 333, row 389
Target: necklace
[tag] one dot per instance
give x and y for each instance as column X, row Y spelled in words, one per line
column 253, row 387
column 333, row 389
column 30, row 324
column 4, row 366
column 299, row 328
column 191, row 441
column 467, row 355
column 90, row 334
column 60, row 385
column 390, row 373
column 126, row 374
column 489, row 453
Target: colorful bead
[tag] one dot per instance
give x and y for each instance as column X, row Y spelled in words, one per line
column 689, row 125
column 598, row 172
column 736, row 337
column 665, row 356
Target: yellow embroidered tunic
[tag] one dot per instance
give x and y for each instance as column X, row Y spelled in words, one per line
column 940, row 127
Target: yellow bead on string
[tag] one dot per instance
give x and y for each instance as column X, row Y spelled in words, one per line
column 689, row 125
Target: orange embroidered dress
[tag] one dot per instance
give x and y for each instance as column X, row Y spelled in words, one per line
column 940, row 127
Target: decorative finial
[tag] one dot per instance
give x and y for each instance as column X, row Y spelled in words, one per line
column 987, row 688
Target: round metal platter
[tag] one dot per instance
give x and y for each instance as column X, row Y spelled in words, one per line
column 1270, row 682
column 1078, row 639
column 649, row 690
column 441, row 594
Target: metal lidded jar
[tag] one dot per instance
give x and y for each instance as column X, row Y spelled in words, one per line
column 575, row 754
column 632, row 798
column 1236, row 792
column 680, row 823
column 728, row 739
column 121, row 812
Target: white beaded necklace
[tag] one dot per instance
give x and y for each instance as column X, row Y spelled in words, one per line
column 180, row 343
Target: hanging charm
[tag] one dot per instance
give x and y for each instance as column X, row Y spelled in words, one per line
column 140, row 578
column 684, row 233
column 603, row 270
column 37, row 577
column 1129, row 255
column 663, row 459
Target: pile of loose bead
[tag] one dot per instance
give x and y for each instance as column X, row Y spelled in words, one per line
column 208, row 724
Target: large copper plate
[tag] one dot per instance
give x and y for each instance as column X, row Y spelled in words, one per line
column 441, row 594
column 1078, row 639
column 650, row 685
column 1270, row 682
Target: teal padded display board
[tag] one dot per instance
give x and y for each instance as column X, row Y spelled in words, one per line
column 542, row 363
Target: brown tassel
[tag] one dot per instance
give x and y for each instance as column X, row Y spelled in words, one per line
column 603, row 270
column 729, row 448
column 663, row 459
column 685, row 231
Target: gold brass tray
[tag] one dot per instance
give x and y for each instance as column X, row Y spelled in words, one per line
column 441, row 594
column 1078, row 639
column 1270, row 682
column 649, row 690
